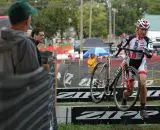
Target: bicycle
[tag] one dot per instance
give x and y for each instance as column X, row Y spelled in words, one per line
column 126, row 78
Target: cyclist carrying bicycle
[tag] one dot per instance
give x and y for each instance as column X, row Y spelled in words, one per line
column 139, row 41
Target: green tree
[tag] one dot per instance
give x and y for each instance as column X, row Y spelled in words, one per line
column 99, row 20
column 128, row 13
column 153, row 7
column 55, row 18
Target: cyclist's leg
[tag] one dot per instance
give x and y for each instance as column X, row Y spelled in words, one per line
column 143, row 95
column 129, row 87
column 130, row 81
column 143, row 90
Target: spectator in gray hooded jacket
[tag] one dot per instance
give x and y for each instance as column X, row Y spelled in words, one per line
column 17, row 52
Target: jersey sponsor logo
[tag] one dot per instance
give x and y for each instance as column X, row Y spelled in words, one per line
column 136, row 44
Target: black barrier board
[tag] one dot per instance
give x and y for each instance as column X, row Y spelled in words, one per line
column 110, row 115
column 83, row 94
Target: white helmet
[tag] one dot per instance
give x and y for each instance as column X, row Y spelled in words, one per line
column 143, row 23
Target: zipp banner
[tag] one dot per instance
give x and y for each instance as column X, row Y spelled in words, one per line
column 110, row 115
column 83, row 94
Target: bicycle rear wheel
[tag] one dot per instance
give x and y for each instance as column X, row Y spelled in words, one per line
column 98, row 82
column 126, row 88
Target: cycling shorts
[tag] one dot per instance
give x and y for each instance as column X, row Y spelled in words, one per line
column 139, row 64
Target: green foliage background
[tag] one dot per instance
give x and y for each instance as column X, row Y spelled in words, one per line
column 54, row 15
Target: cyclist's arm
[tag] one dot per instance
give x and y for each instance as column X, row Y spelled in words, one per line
column 149, row 50
column 124, row 43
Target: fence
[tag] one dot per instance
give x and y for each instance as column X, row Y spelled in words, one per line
column 74, row 73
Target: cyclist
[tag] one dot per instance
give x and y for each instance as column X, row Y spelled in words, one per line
column 139, row 41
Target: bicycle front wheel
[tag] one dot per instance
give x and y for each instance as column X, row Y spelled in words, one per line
column 126, row 88
column 98, row 82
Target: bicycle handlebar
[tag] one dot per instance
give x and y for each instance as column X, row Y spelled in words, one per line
column 145, row 51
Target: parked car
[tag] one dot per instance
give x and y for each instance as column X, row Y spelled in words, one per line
column 155, row 37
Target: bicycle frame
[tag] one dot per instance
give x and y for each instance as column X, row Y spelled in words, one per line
column 109, row 86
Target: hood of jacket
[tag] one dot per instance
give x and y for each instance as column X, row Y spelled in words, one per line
column 10, row 37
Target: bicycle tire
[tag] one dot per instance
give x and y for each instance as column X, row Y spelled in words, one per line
column 98, row 82
column 134, row 94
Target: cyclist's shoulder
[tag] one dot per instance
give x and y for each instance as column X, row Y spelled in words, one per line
column 147, row 39
column 130, row 37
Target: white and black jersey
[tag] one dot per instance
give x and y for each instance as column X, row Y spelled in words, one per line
column 137, row 59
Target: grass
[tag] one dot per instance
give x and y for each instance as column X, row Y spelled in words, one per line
column 109, row 127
